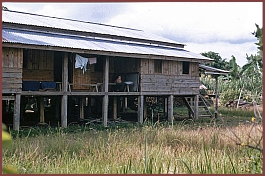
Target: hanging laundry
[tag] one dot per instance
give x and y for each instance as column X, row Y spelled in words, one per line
column 92, row 60
column 81, row 62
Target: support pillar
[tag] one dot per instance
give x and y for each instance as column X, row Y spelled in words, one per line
column 64, row 89
column 41, row 99
column 216, row 98
column 81, row 108
column 115, row 103
column 16, row 117
column 64, row 112
column 105, row 105
column 165, row 105
column 196, row 106
column 170, row 108
column 140, row 109
column 105, row 102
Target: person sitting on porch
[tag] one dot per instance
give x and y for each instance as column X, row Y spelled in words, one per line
column 119, row 85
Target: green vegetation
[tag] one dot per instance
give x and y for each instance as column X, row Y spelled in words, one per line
column 241, row 83
column 204, row 146
column 7, row 142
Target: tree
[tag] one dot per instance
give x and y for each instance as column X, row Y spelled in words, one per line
column 4, row 8
column 218, row 61
column 259, row 35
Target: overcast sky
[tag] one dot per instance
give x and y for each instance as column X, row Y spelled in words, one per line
column 224, row 28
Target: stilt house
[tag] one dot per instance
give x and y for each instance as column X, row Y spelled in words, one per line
column 65, row 69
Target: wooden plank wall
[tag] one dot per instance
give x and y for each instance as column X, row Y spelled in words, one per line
column 90, row 76
column 124, row 65
column 171, row 79
column 119, row 65
column 38, row 65
column 12, row 63
column 80, row 78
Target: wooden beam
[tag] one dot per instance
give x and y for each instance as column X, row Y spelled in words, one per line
column 8, row 97
column 105, row 105
column 105, row 102
column 16, row 117
column 170, row 108
column 145, row 110
column 141, row 109
column 115, row 103
column 81, row 108
column 64, row 90
column 216, row 97
column 64, row 112
column 165, row 107
column 107, row 53
column 196, row 106
column 41, row 99
column 106, row 75
column 65, row 73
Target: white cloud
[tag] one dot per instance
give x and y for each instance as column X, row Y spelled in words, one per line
column 225, row 50
column 222, row 27
column 206, row 21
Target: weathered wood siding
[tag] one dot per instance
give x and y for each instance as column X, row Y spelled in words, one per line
column 90, row 76
column 80, row 78
column 38, row 65
column 12, row 62
column 124, row 65
column 171, row 79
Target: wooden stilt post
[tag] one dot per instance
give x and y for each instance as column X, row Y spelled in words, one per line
column 170, row 108
column 105, row 102
column 64, row 112
column 41, row 99
column 145, row 109
column 165, row 106
column 196, row 106
column 81, row 108
column 216, row 97
column 65, row 88
column 115, row 102
column 140, row 109
column 16, row 117
column 57, row 106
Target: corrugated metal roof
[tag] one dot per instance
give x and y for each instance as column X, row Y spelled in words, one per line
column 75, row 25
column 212, row 70
column 89, row 43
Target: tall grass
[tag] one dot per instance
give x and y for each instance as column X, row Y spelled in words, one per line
column 185, row 147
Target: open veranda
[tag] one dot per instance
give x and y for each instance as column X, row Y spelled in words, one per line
column 231, row 144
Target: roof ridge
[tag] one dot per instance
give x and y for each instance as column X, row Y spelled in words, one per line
column 74, row 20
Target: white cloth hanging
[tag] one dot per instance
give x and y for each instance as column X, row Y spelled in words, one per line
column 81, row 62
column 92, row 60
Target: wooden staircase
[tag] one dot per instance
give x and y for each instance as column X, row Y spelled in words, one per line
column 203, row 110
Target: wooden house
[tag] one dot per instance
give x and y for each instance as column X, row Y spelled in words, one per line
column 64, row 64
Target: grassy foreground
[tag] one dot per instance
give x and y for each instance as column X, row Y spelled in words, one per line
column 204, row 146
